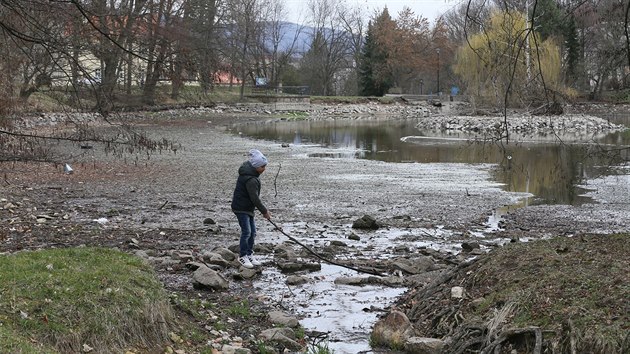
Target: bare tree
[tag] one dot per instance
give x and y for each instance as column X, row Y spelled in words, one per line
column 110, row 27
column 163, row 15
column 352, row 20
column 330, row 50
column 281, row 37
column 243, row 32
column 44, row 38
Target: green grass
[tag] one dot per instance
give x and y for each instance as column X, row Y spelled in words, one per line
column 60, row 299
column 240, row 309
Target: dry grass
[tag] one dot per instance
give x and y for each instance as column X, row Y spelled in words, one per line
column 567, row 295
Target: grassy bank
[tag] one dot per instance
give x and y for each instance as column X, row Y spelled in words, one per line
column 70, row 300
column 565, row 294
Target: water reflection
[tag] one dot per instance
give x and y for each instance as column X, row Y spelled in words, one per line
column 538, row 165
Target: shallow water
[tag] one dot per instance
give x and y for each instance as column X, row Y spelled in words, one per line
column 346, row 314
column 539, row 165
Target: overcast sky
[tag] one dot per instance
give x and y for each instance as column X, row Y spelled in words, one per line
column 430, row 9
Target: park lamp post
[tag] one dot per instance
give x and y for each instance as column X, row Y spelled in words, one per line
column 438, row 71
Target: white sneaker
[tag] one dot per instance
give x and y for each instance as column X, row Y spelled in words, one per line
column 253, row 260
column 245, row 262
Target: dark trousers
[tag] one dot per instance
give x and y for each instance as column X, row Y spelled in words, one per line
column 248, row 233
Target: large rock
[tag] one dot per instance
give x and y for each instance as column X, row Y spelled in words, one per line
column 352, row 280
column 206, row 278
column 285, row 252
column 293, row 267
column 225, row 253
column 393, row 331
column 365, row 222
column 296, row 280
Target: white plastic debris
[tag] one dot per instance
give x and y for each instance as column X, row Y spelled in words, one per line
column 457, row 292
column 101, row 221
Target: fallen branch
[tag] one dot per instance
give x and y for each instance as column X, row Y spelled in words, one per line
column 367, row 271
column 506, row 335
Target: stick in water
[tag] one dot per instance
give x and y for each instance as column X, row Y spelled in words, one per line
column 367, row 271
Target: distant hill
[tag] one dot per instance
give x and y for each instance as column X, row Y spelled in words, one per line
column 295, row 35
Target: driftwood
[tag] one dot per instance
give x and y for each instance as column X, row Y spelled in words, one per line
column 495, row 346
column 360, row 270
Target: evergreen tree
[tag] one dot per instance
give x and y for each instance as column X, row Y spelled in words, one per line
column 375, row 77
column 548, row 19
column 550, row 22
column 572, row 51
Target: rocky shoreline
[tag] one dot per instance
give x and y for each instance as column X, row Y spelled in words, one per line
column 447, row 118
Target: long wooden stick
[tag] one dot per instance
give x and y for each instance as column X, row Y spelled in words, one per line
column 275, row 180
column 367, row 271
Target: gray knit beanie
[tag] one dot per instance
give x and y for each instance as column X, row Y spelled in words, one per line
column 257, row 159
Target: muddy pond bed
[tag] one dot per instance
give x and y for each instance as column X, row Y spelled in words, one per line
column 430, row 193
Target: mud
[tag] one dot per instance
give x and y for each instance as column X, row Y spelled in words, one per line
column 162, row 201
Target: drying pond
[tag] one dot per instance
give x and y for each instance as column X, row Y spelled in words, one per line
column 540, row 165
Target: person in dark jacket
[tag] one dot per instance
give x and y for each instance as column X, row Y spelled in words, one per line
column 245, row 201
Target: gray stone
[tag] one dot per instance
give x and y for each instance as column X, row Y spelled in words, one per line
column 142, row 254
column 230, row 349
column 354, row 237
column 285, row 252
column 351, row 281
column 414, row 266
column 185, row 256
column 422, row 345
column 292, row 267
column 469, row 246
column 477, row 302
column 457, row 292
column 280, row 318
column 225, row 253
column 206, row 278
column 387, row 281
column 365, row 222
column 283, row 335
column 248, row 273
column 214, row 258
column 194, row 265
column 296, row 280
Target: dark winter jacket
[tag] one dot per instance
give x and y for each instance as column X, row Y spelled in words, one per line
column 246, row 194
